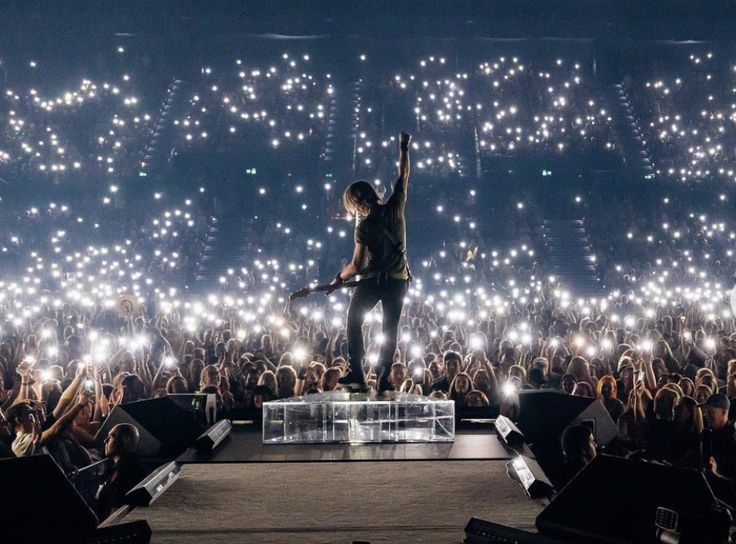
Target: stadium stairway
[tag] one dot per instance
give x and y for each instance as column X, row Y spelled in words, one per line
column 338, row 160
column 571, row 256
column 225, row 250
column 157, row 151
column 628, row 133
column 468, row 157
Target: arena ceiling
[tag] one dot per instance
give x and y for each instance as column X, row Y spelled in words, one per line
column 497, row 19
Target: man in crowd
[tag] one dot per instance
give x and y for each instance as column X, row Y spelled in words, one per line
column 578, row 449
column 127, row 471
column 453, row 362
column 720, row 437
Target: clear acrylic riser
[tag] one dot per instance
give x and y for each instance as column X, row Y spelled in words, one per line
column 343, row 417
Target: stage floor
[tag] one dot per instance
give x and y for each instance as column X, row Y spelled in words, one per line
column 317, row 503
column 245, row 445
column 246, row 491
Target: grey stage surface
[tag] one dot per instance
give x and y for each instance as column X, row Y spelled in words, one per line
column 378, row 502
column 245, row 445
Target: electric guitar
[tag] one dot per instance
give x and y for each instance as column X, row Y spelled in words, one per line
column 306, row 291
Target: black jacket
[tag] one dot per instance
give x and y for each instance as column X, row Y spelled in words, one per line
column 124, row 475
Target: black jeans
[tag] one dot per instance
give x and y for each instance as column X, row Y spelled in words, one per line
column 391, row 293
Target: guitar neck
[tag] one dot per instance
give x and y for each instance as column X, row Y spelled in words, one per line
column 306, row 291
column 325, row 287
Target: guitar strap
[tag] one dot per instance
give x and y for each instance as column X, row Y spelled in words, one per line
column 394, row 259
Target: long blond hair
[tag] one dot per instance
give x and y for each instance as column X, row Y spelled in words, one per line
column 359, row 194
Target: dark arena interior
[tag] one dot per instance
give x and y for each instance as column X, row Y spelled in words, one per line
column 367, row 272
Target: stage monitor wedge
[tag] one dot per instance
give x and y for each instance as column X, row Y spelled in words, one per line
column 480, row 531
column 536, row 483
column 166, row 420
column 508, row 431
column 166, row 428
column 617, row 501
column 131, row 532
column 148, row 445
column 544, row 415
column 214, row 436
column 154, row 485
column 42, row 504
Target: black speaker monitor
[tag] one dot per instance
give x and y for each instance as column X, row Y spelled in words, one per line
column 618, row 501
column 165, row 420
column 41, row 504
column 148, row 445
column 544, row 415
column 508, row 431
column 480, row 531
column 154, row 485
column 165, row 427
column 531, row 476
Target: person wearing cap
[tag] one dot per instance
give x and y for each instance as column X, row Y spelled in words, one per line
column 720, row 437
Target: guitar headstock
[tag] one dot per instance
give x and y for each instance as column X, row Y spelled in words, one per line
column 301, row 293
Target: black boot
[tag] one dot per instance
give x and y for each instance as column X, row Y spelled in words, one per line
column 353, row 380
column 383, row 384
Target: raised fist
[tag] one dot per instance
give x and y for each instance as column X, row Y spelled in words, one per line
column 404, row 139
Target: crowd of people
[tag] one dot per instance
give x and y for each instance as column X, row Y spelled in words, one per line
column 94, row 128
column 686, row 110
column 544, row 108
column 484, row 318
column 510, row 105
column 505, row 107
column 279, row 107
column 155, row 242
column 673, row 238
column 661, row 371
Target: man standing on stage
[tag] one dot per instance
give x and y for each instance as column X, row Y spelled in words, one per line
column 380, row 260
